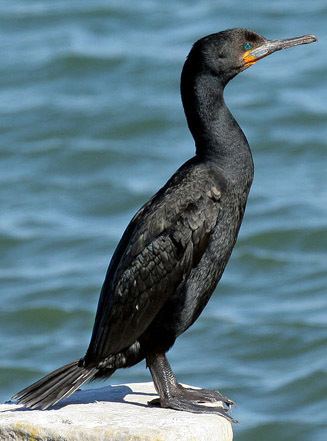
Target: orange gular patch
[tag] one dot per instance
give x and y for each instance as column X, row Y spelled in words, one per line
column 249, row 59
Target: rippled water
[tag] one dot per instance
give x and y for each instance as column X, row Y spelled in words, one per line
column 92, row 125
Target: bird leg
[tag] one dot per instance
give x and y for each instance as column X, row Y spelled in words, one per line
column 175, row 396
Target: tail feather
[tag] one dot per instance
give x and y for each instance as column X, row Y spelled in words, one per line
column 51, row 392
column 55, row 386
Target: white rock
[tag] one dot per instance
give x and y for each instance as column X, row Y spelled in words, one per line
column 113, row 413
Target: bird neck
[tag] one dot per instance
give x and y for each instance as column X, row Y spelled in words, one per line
column 218, row 137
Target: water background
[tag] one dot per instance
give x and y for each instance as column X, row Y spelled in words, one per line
column 92, row 125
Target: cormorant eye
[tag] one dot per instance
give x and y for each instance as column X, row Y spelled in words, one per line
column 247, row 46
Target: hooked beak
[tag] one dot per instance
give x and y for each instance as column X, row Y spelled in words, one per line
column 253, row 55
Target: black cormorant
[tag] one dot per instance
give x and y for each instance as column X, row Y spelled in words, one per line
column 175, row 249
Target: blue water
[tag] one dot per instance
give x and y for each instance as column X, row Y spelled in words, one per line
column 92, row 125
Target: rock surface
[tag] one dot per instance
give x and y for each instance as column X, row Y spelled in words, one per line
column 113, row 413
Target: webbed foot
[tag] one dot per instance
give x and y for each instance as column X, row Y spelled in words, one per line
column 191, row 406
column 204, row 396
column 175, row 396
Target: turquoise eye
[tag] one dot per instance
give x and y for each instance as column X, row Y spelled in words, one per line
column 247, row 46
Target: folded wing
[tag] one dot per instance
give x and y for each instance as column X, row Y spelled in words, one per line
column 161, row 245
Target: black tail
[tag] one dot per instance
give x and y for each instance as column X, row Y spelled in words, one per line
column 55, row 386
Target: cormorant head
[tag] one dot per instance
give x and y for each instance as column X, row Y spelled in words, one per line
column 229, row 52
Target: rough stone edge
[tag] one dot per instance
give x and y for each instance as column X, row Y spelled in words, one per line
column 24, row 430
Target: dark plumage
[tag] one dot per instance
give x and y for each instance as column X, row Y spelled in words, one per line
column 175, row 249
